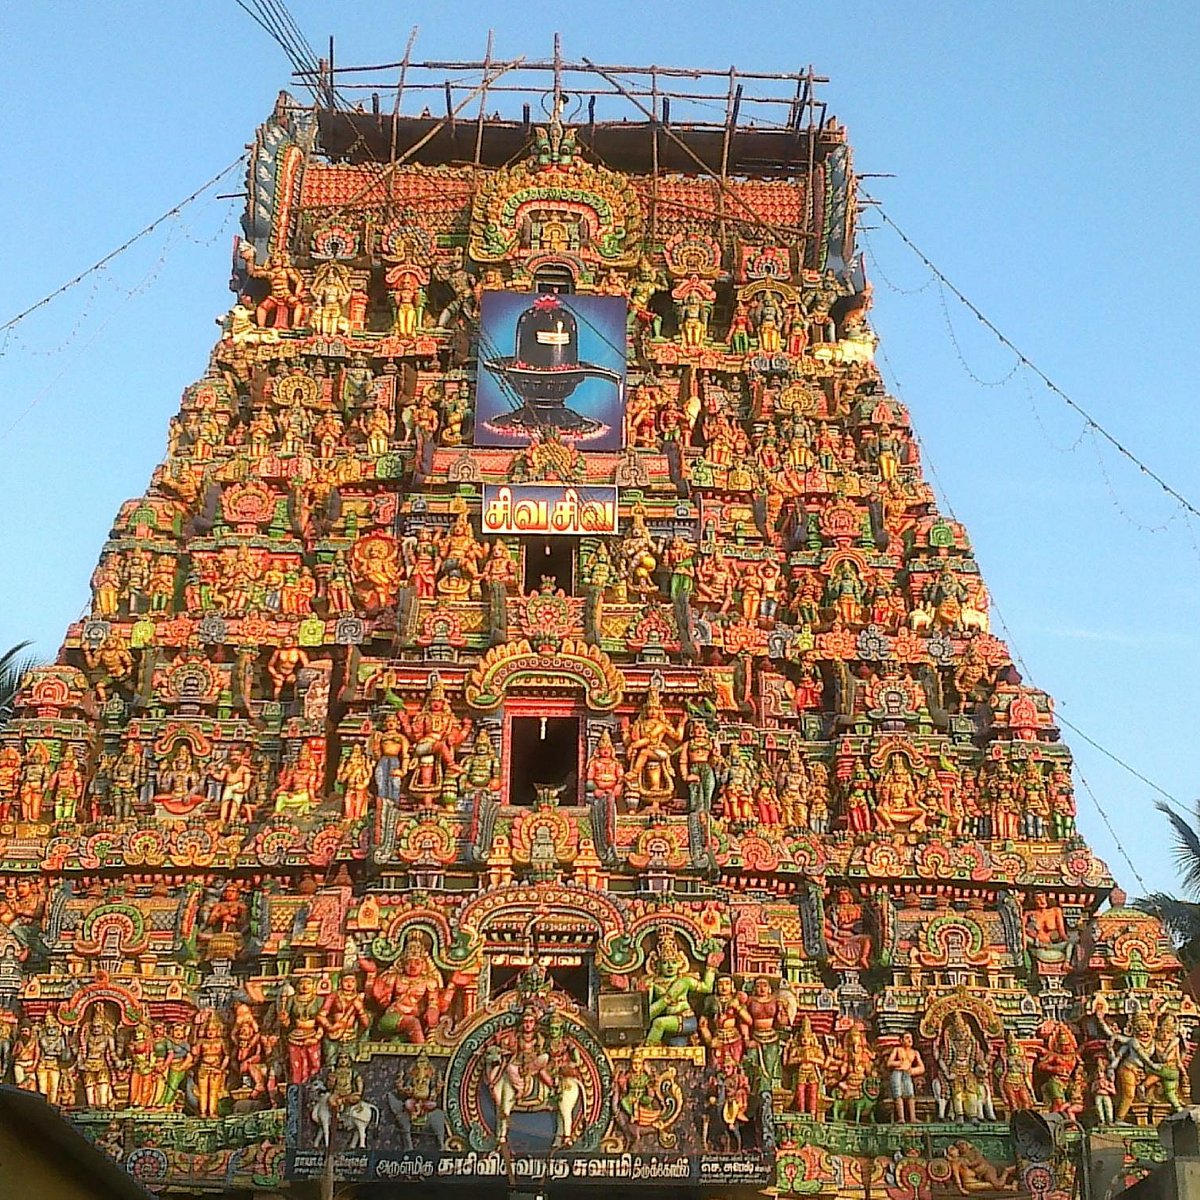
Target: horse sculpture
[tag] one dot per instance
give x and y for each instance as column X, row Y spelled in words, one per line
column 514, row 1088
column 357, row 1117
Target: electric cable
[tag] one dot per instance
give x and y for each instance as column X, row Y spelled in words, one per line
column 173, row 211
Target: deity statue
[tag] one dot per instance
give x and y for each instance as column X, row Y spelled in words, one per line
column 646, row 285
column 354, row 776
column 806, row 1054
column 498, row 578
column 35, row 778
column 947, row 594
column 737, row 792
column 332, row 289
column 671, row 981
column 725, row 1022
column 179, row 781
column 435, row 733
column 300, row 783
column 1147, row 1064
column 972, row 1172
column 53, row 1054
column 850, row 1072
column 96, row 1059
column 714, row 582
column 699, row 763
column 769, row 1019
column 1046, row 931
column 127, row 776
column 480, row 768
column 1058, row 1062
column 391, row 750
column 1171, row 1055
column 25, row 1058
column 604, row 776
column 285, row 664
column 1062, row 802
column 859, row 793
column 694, row 299
column 848, row 942
column 375, row 569
column 650, row 743
column 412, row 992
column 66, row 785
column 416, row 1102
column 144, row 1079
column 178, row 1062
column 298, row 1010
column 211, row 1069
column 229, row 914
column 283, row 307
column 964, row 1088
column 738, row 337
column 343, row 1019
column 1016, row 1086
column 898, row 805
column 235, row 781
column 640, row 553
column 408, row 302
column 249, row 1051
column 106, row 587
column 534, row 1068
column 110, row 665
column 10, row 779
column 792, row 784
column 845, row 593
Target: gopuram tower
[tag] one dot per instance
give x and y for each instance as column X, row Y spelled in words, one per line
column 537, row 728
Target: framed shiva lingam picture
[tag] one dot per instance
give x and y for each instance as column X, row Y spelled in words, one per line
column 551, row 362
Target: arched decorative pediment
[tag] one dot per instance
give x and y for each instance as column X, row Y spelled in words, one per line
column 573, row 663
column 555, row 203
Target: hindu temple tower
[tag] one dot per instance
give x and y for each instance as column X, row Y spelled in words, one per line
column 536, row 729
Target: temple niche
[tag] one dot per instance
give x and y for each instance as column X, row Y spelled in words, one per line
column 537, row 724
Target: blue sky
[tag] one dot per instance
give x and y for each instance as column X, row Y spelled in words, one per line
column 1044, row 156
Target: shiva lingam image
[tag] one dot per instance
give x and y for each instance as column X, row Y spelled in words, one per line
column 545, row 371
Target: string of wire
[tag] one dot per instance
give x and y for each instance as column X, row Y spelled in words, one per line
column 949, row 507
column 101, row 263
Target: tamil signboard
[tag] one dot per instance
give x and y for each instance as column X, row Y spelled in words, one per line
column 661, row 1167
column 549, row 509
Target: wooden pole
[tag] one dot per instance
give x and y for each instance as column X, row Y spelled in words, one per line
column 379, row 179
column 654, row 160
column 755, row 219
column 487, row 66
column 732, row 103
column 412, row 37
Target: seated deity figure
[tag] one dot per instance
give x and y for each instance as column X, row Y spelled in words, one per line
column 849, row 944
column 898, row 804
column 435, row 733
column 412, row 993
column 1046, row 931
column 671, row 981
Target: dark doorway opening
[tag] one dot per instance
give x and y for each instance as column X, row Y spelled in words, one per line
column 552, row 557
column 555, row 277
column 575, row 980
column 544, row 750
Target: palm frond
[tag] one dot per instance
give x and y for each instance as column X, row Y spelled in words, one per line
column 1180, row 918
column 10, row 655
column 13, row 668
column 1186, row 848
